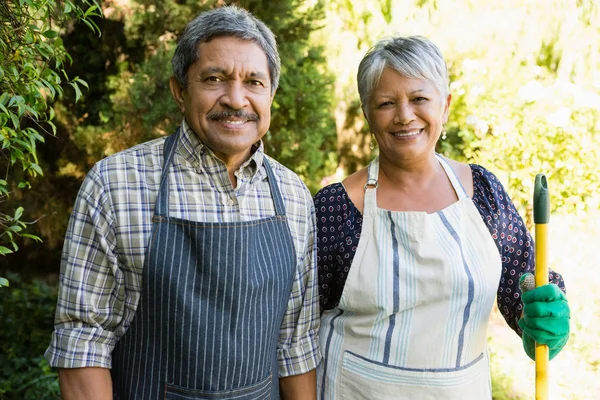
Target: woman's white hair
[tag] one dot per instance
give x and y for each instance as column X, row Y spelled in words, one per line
column 413, row 57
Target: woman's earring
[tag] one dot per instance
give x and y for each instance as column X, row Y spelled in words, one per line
column 444, row 135
column 372, row 143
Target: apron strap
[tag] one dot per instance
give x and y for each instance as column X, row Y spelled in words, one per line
column 275, row 192
column 458, row 187
column 370, row 206
column 162, row 201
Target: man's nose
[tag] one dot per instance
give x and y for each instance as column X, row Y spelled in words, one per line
column 235, row 96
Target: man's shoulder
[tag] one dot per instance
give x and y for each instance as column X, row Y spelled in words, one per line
column 138, row 153
column 142, row 158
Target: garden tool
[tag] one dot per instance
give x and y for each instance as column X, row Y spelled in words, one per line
column 546, row 313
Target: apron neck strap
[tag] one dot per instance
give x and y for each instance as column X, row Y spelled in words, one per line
column 458, row 187
column 162, row 201
column 371, row 187
column 275, row 192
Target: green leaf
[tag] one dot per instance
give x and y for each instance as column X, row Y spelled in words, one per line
column 50, row 87
column 3, row 281
column 16, row 100
column 90, row 11
column 4, row 251
column 32, row 111
column 77, row 91
column 15, row 120
column 37, row 169
column 52, row 126
column 24, row 185
column 33, row 237
column 24, row 144
column 50, row 34
column 19, row 212
column 90, row 24
column 81, row 82
column 15, row 228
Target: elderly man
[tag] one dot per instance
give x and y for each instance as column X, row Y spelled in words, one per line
column 188, row 270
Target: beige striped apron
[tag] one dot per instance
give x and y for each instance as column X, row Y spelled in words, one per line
column 412, row 319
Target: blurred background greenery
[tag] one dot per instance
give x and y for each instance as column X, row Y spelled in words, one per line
column 525, row 81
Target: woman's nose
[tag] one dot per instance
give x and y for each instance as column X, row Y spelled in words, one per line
column 404, row 114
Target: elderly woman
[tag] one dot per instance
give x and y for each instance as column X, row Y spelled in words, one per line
column 413, row 249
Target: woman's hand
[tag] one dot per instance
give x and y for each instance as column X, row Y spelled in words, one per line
column 546, row 317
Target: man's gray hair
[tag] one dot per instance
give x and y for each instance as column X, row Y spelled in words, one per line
column 224, row 21
column 413, row 57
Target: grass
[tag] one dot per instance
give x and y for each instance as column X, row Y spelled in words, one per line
column 575, row 372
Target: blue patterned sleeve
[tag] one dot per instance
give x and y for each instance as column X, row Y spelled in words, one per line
column 512, row 239
column 338, row 232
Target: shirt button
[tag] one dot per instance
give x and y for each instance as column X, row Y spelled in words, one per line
column 229, row 202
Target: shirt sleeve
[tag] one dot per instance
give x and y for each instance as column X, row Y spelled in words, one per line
column 90, row 306
column 298, row 349
column 513, row 240
column 338, row 232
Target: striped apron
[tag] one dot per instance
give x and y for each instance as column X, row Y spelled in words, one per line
column 412, row 319
column 212, row 303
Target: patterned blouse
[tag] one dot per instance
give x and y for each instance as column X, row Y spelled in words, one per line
column 339, row 225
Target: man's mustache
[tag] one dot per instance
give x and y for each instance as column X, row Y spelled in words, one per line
column 228, row 114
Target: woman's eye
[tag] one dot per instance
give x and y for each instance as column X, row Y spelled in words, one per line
column 419, row 99
column 385, row 103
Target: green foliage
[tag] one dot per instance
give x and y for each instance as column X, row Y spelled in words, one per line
column 302, row 135
column 32, row 76
column 525, row 86
column 27, row 310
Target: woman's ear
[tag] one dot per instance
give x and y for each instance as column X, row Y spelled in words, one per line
column 365, row 114
column 447, row 109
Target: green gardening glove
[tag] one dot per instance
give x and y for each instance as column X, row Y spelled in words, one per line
column 546, row 317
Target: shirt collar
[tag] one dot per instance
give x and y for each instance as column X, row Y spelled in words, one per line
column 193, row 150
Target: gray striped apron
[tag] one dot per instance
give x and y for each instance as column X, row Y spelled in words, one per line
column 212, row 303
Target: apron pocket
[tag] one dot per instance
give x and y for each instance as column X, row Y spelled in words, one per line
column 257, row 391
column 363, row 379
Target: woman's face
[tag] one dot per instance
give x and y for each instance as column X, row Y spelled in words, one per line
column 406, row 116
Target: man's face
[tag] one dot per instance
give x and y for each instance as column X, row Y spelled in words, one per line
column 227, row 102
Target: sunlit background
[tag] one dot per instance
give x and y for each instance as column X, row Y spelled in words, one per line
column 525, row 81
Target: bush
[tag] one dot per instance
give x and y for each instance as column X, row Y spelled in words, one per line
column 27, row 310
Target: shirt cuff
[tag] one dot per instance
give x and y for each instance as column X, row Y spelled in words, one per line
column 81, row 347
column 302, row 358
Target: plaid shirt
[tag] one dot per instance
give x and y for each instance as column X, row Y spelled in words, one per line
column 110, row 226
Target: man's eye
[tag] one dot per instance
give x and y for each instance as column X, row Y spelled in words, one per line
column 255, row 83
column 384, row 104
column 213, row 79
column 419, row 99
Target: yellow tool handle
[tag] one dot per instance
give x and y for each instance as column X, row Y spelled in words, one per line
column 541, row 278
column 541, row 217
